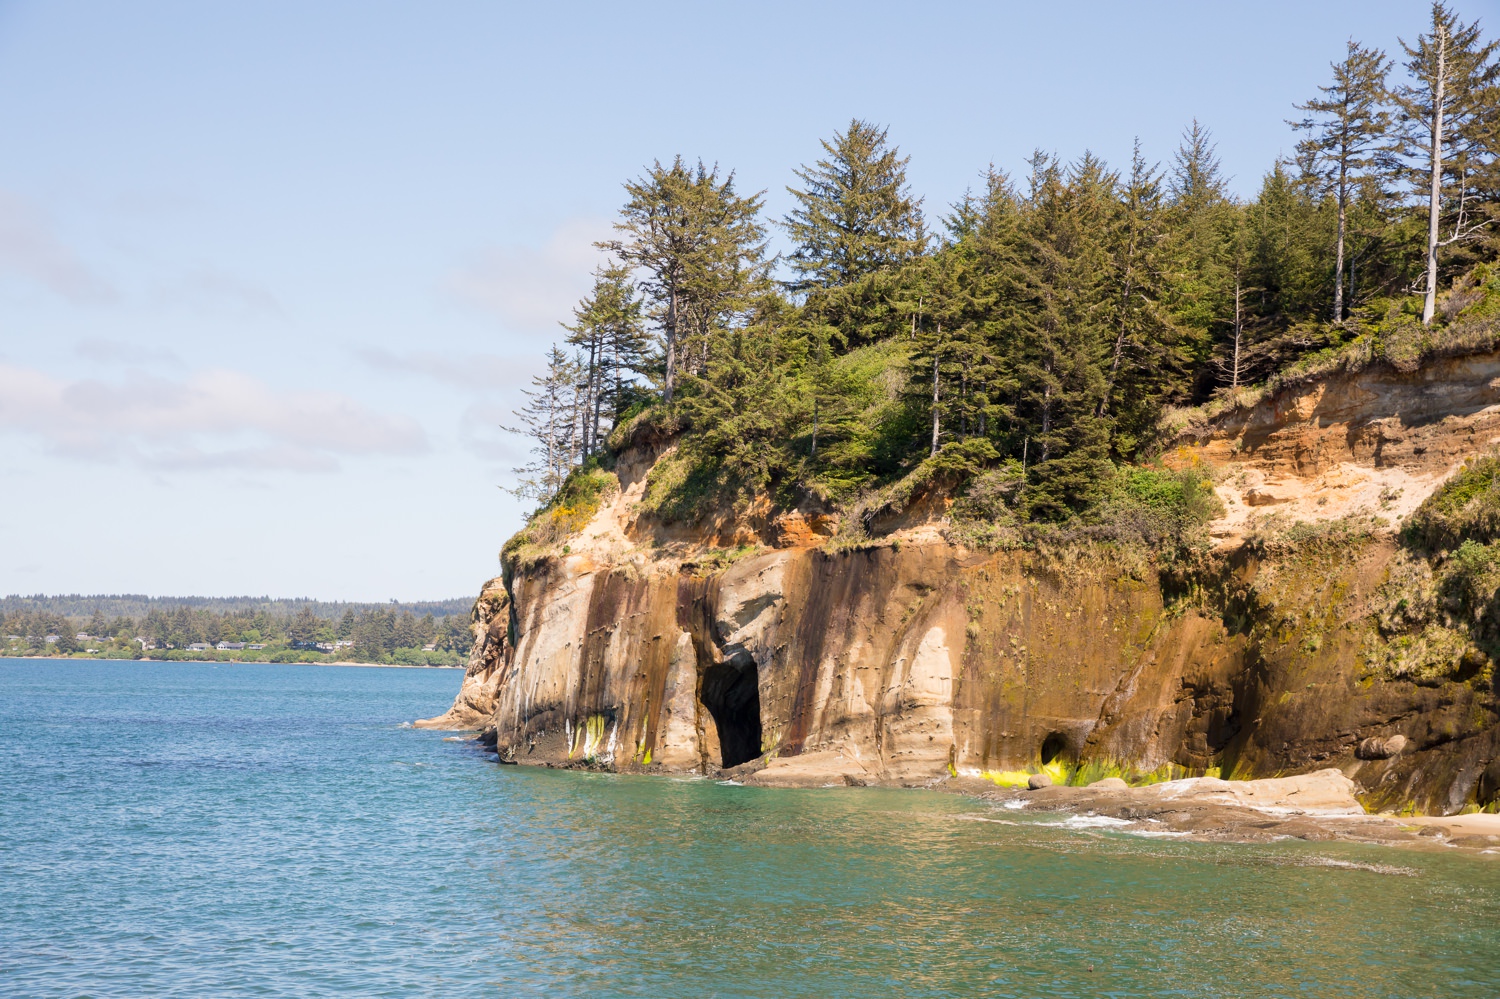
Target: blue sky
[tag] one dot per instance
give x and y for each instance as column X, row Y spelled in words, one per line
column 272, row 274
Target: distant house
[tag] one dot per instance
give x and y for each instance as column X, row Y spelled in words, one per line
column 231, row 646
column 146, row 644
column 199, row 647
column 430, row 647
column 84, row 636
column 326, row 646
column 255, row 645
column 343, row 644
column 51, row 639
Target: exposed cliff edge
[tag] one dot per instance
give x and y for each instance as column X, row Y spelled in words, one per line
column 911, row 658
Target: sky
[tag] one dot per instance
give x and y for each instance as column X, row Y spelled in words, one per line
column 273, row 274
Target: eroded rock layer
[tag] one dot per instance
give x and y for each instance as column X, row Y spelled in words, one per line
column 914, row 659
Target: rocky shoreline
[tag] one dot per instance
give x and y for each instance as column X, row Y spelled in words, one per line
column 1316, row 807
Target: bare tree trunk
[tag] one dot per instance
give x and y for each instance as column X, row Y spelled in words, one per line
column 1046, row 416
column 1353, row 259
column 1114, row 368
column 1338, row 258
column 591, row 395
column 934, row 402
column 1434, row 196
column 598, row 400
column 963, row 403
column 670, row 328
column 1234, row 378
column 815, row 427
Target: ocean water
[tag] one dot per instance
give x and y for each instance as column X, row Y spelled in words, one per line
column 238, row 830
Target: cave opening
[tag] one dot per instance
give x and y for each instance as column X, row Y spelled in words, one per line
column 731, row 693
column 1053, row 747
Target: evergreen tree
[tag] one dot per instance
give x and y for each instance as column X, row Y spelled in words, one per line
column 1145, row 360
column 1348, row 129
column 1197, row 179
column 303, row 626
column 701, row 247
column 1195, row 196
column 611, row 339
column 855, row 213
column 1061, row 363
column 405, row 634
column 551, row 419
column 1445, row 114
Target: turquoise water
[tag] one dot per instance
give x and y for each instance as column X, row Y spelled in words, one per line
column 201, row 830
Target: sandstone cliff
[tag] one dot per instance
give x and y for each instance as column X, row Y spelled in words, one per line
column 911, row 658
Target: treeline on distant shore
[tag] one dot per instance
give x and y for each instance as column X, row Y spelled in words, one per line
column 113, row 605
column 372, row 634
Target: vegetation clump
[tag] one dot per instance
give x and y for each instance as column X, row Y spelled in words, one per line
column 1439, row 612
column 570, row 508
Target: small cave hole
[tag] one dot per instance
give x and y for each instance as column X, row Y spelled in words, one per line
column 1053, row 746
column 732, row 695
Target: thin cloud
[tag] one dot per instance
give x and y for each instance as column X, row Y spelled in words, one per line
column 535, row 288
column 479, row 372
column 210, row 420
column 213, row 293
column 29, row 247
column 482, row 432
column 119, row 352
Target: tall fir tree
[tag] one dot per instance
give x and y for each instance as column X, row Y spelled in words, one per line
column 1348, row 129
column 855, row 213
column 700, row 246
column 608, row 332
column 550, row 418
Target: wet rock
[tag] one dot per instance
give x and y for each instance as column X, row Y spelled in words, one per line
column 1038, row 781
column 1109, row 784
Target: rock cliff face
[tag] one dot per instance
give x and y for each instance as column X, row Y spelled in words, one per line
column 913, row 658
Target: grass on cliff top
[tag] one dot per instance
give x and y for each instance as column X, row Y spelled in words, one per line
column 575, row 504
column 1150, row 513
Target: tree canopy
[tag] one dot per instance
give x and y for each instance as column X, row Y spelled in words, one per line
column 1038, row 345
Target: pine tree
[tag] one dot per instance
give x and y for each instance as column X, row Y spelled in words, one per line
column 550, row 418
column 1195, row 197
column 855, row 213
column 1348, row 129
column 1145, row 363
column 701, row 247
column 1196, row 176
column 608, row 332
column 1443, row 115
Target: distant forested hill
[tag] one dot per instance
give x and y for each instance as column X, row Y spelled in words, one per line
column 135, row 605
column 131, row 626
